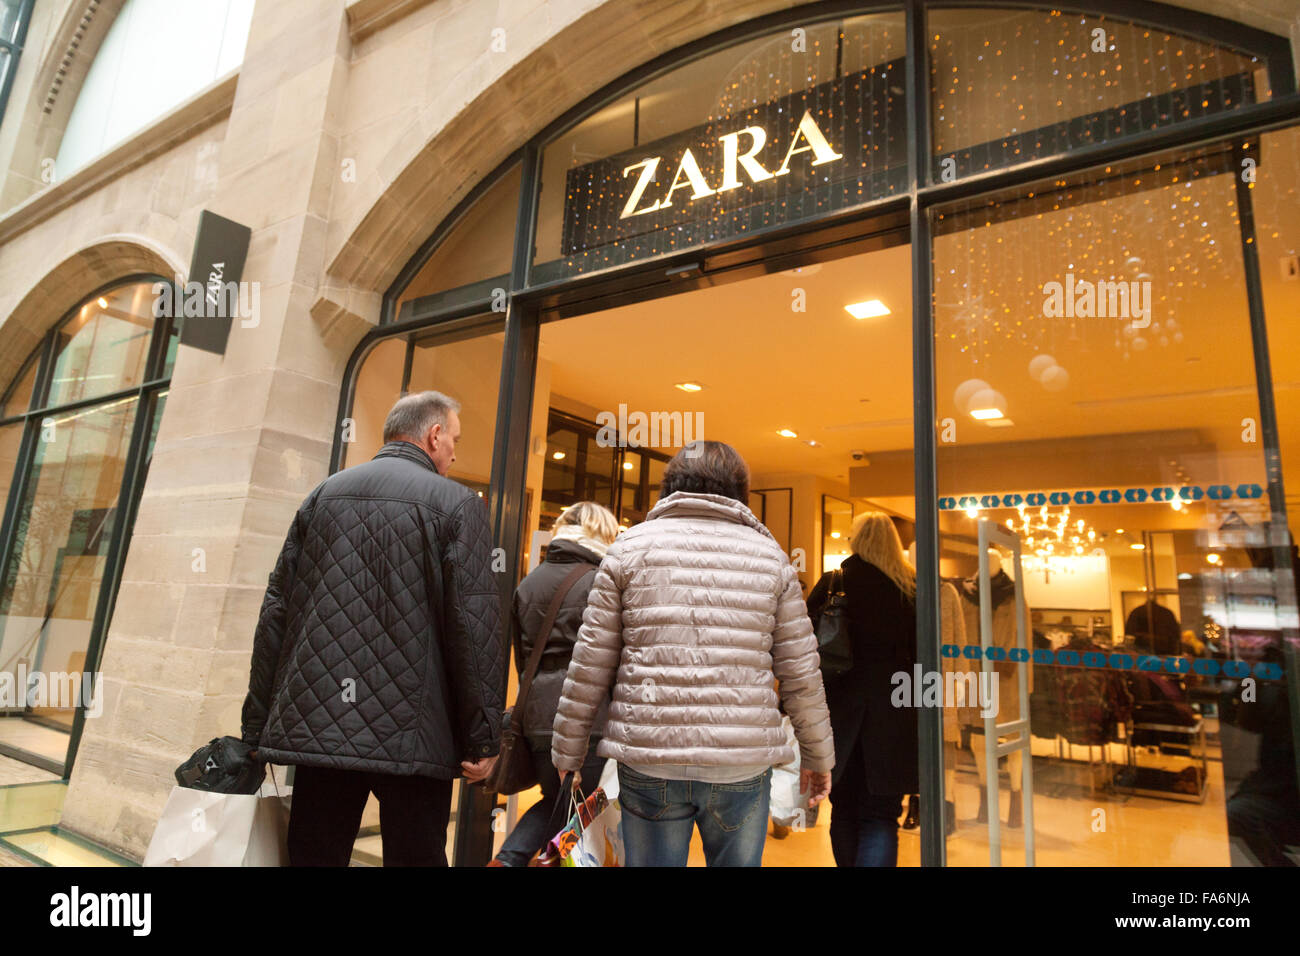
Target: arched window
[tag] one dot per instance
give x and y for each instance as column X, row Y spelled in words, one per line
column 157, row 54
column 76, row 430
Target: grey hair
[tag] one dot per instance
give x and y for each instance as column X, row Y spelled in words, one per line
column 415, row 414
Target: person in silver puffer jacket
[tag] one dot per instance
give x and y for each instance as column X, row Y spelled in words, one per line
column 694, row 617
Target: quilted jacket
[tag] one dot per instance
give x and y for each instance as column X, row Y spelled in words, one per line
column 379, row 644
column 532, row 599
column 693, row 616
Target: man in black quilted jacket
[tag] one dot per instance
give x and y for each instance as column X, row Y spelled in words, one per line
column 378, row 662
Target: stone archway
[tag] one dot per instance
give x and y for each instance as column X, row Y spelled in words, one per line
column 60, row 289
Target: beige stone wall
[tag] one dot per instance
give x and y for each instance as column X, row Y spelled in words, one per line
column 353, row 130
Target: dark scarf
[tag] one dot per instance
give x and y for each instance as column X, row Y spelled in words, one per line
column 1000, row 585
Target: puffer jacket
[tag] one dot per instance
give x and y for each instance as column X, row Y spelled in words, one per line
column 693, row 614
column 532, row 599
column 379, row 644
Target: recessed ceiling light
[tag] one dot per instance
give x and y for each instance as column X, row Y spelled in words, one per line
column 786, row 433
column 835, row 534
column 1138, row 546
column 1213, row 558
column 689, row 386
column 985, row 414
column 558, row 455
column 627, row 466
column 103, row 303
column 871, row 309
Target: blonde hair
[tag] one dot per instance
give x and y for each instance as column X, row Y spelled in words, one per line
column 597, row 521
column 875, row 540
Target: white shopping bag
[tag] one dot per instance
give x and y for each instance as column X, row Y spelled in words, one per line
column 788, row 807
column 601, row 844
column 199, row 828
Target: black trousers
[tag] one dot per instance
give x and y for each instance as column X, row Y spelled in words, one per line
column 325, row 814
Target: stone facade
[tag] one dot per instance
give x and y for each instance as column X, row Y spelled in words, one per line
column 348, row 134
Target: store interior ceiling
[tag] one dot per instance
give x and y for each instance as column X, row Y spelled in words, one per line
column 846, row 384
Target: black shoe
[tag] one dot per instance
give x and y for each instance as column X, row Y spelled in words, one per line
column 1014, row 821
column 913, row 819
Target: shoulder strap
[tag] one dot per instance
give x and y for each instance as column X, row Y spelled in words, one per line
column 539, row 642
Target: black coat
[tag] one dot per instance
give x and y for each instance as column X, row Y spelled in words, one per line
column 532, row 598
column 882, row 629
column 379, row 644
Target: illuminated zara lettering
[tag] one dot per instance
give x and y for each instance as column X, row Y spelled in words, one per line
column 808, row 138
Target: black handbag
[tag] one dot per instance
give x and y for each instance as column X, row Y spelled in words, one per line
column 514, row 770
column 833, row 642
column 222, row 765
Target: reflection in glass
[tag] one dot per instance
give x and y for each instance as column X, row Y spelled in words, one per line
column 104, row 346
column 1011, row 85
column 62, row 531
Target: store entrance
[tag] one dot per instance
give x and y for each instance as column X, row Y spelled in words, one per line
column 806, row 372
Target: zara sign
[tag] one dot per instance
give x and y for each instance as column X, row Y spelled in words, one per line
column 811, row 152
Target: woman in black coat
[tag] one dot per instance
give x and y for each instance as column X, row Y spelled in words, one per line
column 581, row 535
column 875, row 742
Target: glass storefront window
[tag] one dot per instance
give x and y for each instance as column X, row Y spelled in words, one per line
column 1097, row 406
column 772, row 131
column 62, row 531
column 1010, row 85
column 70, row 475
column 475, row 256
column 103, row 348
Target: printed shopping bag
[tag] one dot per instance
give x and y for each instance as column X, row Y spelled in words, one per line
column 601, row 843
column 201, row 828
column 594, row 835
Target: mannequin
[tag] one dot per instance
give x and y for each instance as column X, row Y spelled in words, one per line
column 1003, row 595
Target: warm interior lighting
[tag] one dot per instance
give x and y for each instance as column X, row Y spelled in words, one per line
column 103, row 303
column 871, row 309
column 786, row 433
column 1138, row 546
column 1213, row 558
column 690, row 386
column 985, row 414
column 557, row 455
column 627, row 466
column 835, row 534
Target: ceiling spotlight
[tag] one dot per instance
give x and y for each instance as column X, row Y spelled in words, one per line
column 835, row 534
column 786, row 433
column 972, row 512
column 1138, row 546
column 627, row 466
column 557, row 455
column 871, row 309
column 103, row 303
column 689, row 386
column 1213, row 558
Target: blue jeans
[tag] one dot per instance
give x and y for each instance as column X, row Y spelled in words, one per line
column 864, row 825
column 659, row 816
